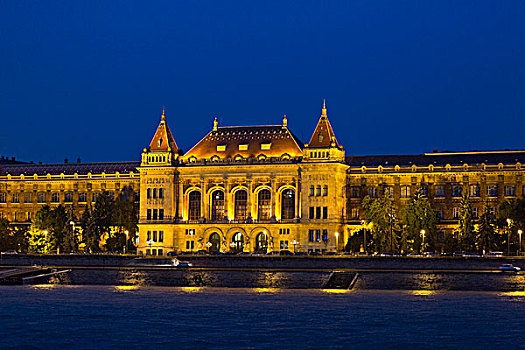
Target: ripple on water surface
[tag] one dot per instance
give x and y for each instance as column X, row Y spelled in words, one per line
column 88, row 317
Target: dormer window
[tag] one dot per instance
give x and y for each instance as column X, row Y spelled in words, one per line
column 159, row 142
column 265, row 146
column 243, row 147
column 320, row 138
column 221, row 148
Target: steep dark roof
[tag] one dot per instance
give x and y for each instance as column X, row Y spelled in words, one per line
column 69, row 168
column 282, row 141
column 439, row 159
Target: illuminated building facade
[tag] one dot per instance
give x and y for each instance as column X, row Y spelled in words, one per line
column 259, row 188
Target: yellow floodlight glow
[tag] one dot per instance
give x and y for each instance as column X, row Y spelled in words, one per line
column 336, row 291
column 265, row 290
column 519, row 293
column 191, row 289
column 422, row 292
column 126, row 288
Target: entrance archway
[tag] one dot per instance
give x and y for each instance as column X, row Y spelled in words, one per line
column 215, row 241
column 237, row 244
column 261, row 243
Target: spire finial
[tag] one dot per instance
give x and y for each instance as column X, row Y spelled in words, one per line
column 285, row 120
column 323, row 111
column 215, row 124
column 163, row 117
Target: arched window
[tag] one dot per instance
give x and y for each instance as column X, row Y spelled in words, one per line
column 217, row 205
column 237, row 242
column 154, row 193
column 312, row 190
column 215, row 241
column 288, row 204
column 325, row 190
column 195, row 205
column 241, row 205
column 148, row 193
column 264, row 205
column 261, row 242
column 318, row 192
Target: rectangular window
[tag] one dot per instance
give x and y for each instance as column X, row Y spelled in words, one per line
column 161, row 214
column 28, row 197
column 372, row 192
column 510, row 191
column 155, row 236
column 148, row 217
column 440, row 191
column 161, row 236
column 474, row 190
column 82, row 197
column 221, row 148
column 265, row 146
column 355, row 213
column 160, row 252
column 492, row 190
column 2, row 197
column 325, row 212
column 317, row 212
column 148, row 252
column 15, row 198
column 318, row 235
column 457, row 191
column 94, row 196
column 55, row 197
column 161, row 193
column 354, row 192
column 312, row 210
column 475, row 212
column 455, row 213
column 310, row 235
column 325, row 235
column 441, row 213
column 405, row 191
column 285, row 244
column 155, row 214
column 325, row 190
column 148, row 193
column 281, row 245
column 243, row 147
column 68, row 197
column 41, row 197
column 154, row 193
column 389, row 192
column 148, row 236
column 424, row 191
column 312, row 190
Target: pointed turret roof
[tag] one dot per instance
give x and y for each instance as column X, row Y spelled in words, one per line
column 163, row 139
column 323, row 134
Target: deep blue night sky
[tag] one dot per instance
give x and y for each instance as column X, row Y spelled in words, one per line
column 88, row 79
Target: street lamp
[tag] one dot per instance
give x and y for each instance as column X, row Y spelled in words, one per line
column 519, row 244
column 509, row 222
column 294, row 243
column 336, row 241
column 150, row 243
column 126, row 245
column 423, row 243
column 364, row 235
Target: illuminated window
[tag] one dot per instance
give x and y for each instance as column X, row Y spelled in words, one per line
column 241, row 205
column 265, row 146
column 510, row 191
column 221, row 148
column 264, row 204
column 475, row 212
column 455, row 212
column 474, row 190
column 389, row 192
column 288, row 204
column 283, row 245
column 355, row 213
column 243, row 147
column 15, row 198
column 492, row 190
column 217, row 205
column 372, row 192
column 405, row 191
column 194, row 205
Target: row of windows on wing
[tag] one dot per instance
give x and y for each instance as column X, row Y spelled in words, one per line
column 264, row 146
column 439, row 191
column 431, row 167
column 319, row 154
column 153, row 193
column 238, row 158
column 241, row 210
column 316, row 190
column 455, row 213
column 157, row 158
column 54, row 197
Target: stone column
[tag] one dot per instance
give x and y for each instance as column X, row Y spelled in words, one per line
column 203, row 199
column 274, row 194
column 226, row 195
column 297, row 204
column 180, row 209
column 249, row 199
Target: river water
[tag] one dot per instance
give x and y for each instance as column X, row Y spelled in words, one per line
column 128, row 317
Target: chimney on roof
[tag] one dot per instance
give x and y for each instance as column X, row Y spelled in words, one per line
column 78, row 160
column 435, row 150
column 65, row 161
